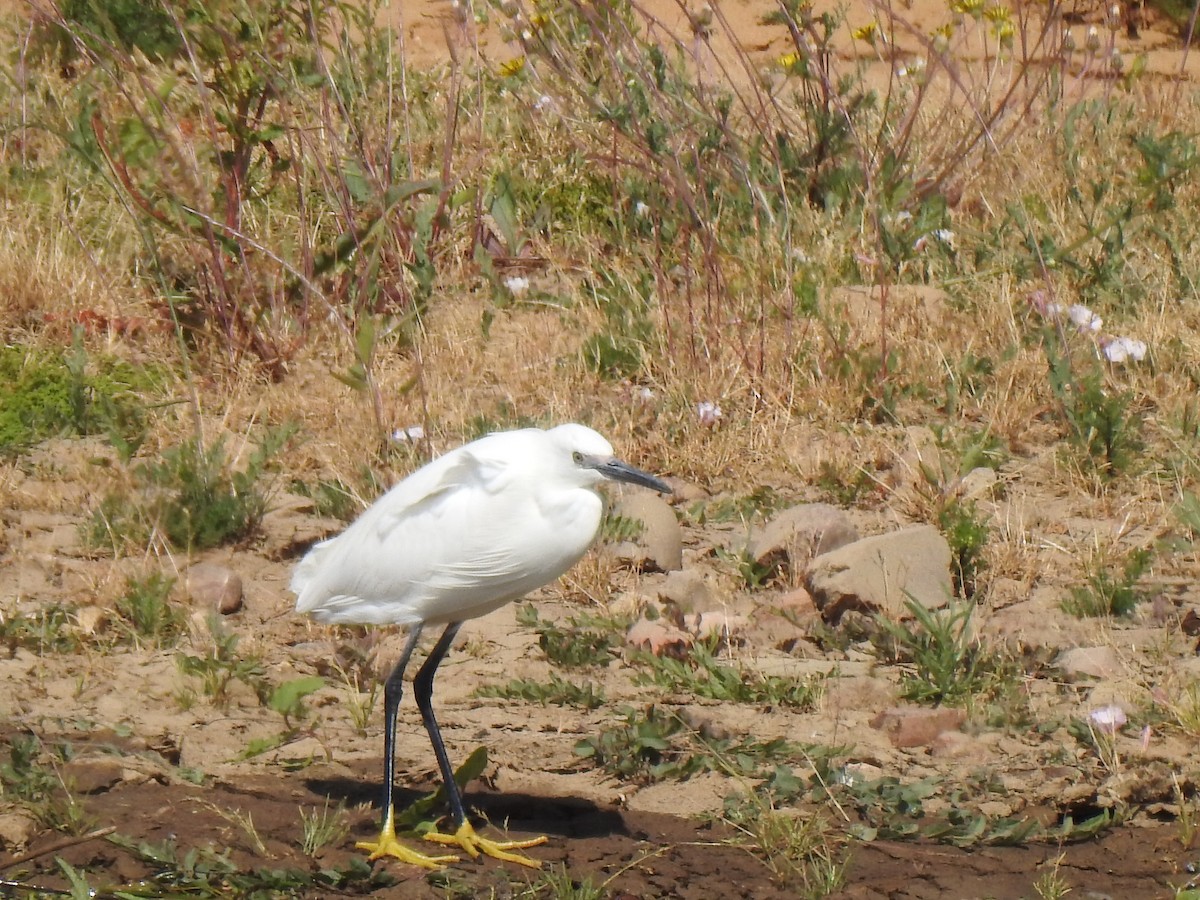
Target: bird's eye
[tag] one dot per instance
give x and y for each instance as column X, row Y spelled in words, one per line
column 577, row 457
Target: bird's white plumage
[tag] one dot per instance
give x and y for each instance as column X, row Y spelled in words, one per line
column 484, row 524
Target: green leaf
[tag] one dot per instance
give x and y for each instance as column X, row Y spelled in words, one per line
column 286, row 698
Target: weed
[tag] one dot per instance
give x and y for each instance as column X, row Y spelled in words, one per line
column 656, row 744
column 967, row 534
column 1050, row 884
column 145, row 606
column 192, row 496
column 221, row 666
column 945, row 662
column 587, row 640
column 39, row 788
column 557, row 691
column 45, row 631
column 332, row 499
column 323, row 827
column 1100, row 421
column 758, row 504
column 43, row 396
column 1107, row 592
column 699, row 674
column 557, row 883
column 207, row 872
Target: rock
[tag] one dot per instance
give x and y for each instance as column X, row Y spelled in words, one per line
column 91, row 619
column 978, row 483
column 796, row 535
column 880, row 574
column 1088, row 662
column 783, row 621
column 956, row 745
column 16, row 828
column 92, row 776
column 215, row 586
column 659, row 637
column 910, row 726
column 688, row 590
column 659, row 547
column 716, row 623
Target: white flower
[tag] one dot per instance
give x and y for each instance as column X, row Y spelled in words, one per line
column 517, row 284
column 645, row 395
column 1093, row 39
column 708, row 413
column 1083, row 318
column 408, row 435
column 1120, row 349
column 1107, row 718
column 945, row 235
column 543, row 102
column 641, row 209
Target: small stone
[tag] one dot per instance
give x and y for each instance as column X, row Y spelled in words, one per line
column 955, row 745
column 688, row 590
column 908, row 726
column 716, row 623
column 659, row 637
column 979, row 482
column 216, row 587
column 659, row 547
column 16, row 829
column 92, row 776
column 91, row 619
column 1089, row 662
column 796, row 535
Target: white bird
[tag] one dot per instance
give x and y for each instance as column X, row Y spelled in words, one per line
column 474, row 529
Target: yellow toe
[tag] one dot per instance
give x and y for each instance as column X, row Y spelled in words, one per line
column 388, row 845
column 474, row 844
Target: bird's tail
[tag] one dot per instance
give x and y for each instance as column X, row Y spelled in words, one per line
column 302, row 577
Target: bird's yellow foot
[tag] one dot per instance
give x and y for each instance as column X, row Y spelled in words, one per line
column 474, row 844
column 388, row 845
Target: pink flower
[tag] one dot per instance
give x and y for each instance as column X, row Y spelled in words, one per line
column 1107, row 719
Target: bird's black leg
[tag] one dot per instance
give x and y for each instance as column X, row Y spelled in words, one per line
column 393, row 690
column 423, row 692
column 388, row 845
column 464, row 835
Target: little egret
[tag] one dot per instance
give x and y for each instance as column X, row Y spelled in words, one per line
column 474, row 529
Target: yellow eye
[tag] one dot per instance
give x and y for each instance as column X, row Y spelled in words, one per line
column 577, row 456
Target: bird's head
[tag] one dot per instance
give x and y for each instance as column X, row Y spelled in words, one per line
column 591, row 461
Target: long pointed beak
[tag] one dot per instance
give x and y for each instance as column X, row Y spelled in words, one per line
column 623, row 471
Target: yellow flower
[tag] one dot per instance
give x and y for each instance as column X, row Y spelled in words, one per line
column 788, row 60
column 967, row 7
column 868, row 32
column 512, row 67
column 998, row 14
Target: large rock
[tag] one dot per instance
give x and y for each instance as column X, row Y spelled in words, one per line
column 797, row 534
column 908, row 726
column 1089, row 662
column 881, row 573
column 687, row 590
column 660, row 544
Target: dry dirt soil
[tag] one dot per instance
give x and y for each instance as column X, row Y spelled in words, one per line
column 133, row 741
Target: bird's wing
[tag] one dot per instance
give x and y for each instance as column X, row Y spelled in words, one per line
column 441, row 542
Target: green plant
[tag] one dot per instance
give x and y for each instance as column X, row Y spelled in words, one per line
column 222, row 665
column 193, row 496
column 323, row 827
column 1101, row 421
column 287, row 699
column 38, row 787
column 967, row 534
column 43, row 396
column 145, row 606
column 587, row 640
column 43, row 631
column 557, row 691
column 944, row 661
column 700, row 674
column 1107, row 591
